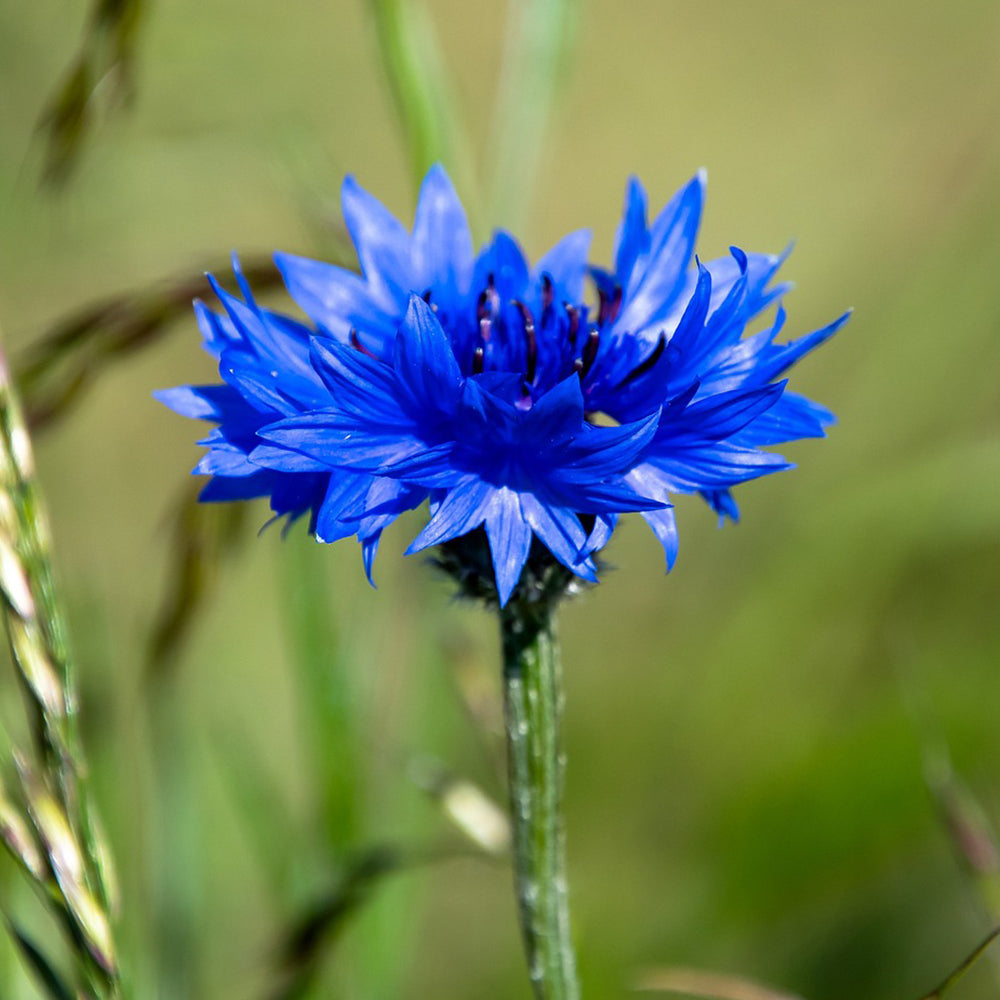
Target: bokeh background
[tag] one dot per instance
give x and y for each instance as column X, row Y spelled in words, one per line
column 754, row 740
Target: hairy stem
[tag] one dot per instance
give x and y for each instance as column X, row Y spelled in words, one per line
column 532, row 706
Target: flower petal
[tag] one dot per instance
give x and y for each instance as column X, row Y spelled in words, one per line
column 203, row 402
column 566, row 264
column 423, row 358
column 382, row 243
column 460, row 511
column 510, row 540
column 338, row 301
column 561, row 533
column 442, row 243
column 632, row 238
column 653, row 287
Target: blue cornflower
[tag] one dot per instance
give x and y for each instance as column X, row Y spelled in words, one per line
column 672, row 334
column 494, row 391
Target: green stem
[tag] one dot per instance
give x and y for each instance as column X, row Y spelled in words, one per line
column 539, row 36
column 411, row 81
column 418, row 84
column 532, row 707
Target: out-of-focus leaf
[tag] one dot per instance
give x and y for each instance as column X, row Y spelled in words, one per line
column 328, row 693
column 262, row 807
column 969, row 830
column 312, row 933
column 202, row 536
column 963, row 967
column 177, row 890
column 45, row 974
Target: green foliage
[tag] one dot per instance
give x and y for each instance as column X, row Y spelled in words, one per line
column 747, row 738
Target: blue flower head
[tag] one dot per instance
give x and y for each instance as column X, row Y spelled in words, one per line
column 526, row 414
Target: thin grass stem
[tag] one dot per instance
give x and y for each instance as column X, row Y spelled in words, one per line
column 537, row 39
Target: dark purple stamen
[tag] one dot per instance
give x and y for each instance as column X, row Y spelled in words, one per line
column 546, row 292
column 489, row 301
column 647, row 364
column 590, row 351
column 531, row 342
column 610, row 305
column 574, row 322
column 427, row 298
column 479, row 354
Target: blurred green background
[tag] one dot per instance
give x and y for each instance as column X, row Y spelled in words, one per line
column 749, row 737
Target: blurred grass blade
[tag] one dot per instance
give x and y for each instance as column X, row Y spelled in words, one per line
column 707, row 985
column 328, row 695
column 45, row 974
column 970, row 833
column 539, row 34
column 313, row 933
column 263, row 809
column 963, row 967
column 57, row 369
column 101, row 78
column 178, row 887
column 413, row 67
column 202, row 537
